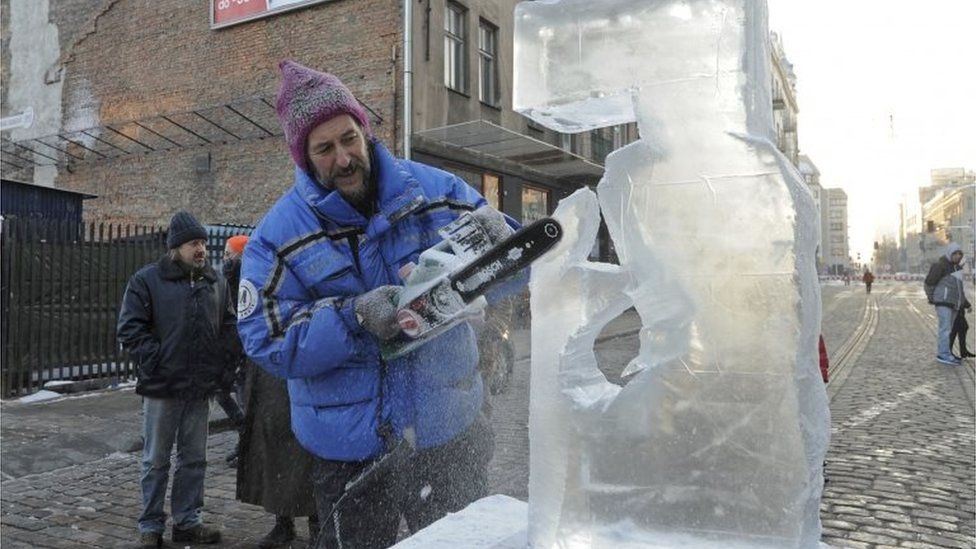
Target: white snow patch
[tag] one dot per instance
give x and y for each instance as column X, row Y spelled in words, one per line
column 40, row 396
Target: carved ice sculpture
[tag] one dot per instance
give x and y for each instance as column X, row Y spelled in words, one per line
column 718, row 435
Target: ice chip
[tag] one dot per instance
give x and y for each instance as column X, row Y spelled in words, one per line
column 718, row 435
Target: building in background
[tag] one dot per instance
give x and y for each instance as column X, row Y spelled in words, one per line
column 834, row 218
column 785, row 107
column 166, row 105
column 156, row 106
column 910, row 240
column 811, row 176
column 948, row 212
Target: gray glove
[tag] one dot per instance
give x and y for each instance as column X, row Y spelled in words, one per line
column 493, row 222
column 376, row 311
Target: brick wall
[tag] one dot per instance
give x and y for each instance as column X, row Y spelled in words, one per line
column 147, row 58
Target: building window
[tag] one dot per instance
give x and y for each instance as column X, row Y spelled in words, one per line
column 488, row 63
column 535, row 204
column 836, row 226
column 837, row 214
column 455, row 47
column 491, row 190
column 569, row 142
column 837, row 238
column 602, row 143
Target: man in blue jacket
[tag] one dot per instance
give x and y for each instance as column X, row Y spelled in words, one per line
column 318, row 294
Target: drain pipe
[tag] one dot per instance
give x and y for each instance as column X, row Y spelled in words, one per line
column 407, row 76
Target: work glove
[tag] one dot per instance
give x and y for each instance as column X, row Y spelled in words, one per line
column 376, row 311
column 493, row 222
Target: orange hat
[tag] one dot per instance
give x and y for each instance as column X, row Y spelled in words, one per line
column 236, row 243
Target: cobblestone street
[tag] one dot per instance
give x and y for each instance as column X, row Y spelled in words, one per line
column 901, row 465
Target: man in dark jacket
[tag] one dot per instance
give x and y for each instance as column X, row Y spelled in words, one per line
column 944, row 289
column 319, row 290
column 177, row 324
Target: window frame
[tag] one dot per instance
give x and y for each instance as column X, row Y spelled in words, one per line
column 491, row 96
column 456, row 47
column 546, row 193
column 496, row 200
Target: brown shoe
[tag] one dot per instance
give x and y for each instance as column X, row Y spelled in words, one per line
column 197, row 534
column 150, row 540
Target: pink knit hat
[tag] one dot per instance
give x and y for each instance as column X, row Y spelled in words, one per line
column 308, row 98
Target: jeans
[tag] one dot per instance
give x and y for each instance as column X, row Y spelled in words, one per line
column 185, row 422
column 947, row 316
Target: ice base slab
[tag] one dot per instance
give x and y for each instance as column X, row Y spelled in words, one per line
column 501, row 522
column 493, row 522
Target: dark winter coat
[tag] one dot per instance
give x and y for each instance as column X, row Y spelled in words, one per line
column 941, row 287
column 179, row 331
column 274, row 471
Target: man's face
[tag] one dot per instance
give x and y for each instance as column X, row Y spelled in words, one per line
column 339, row 159
column 956, row 257
column 193, row 252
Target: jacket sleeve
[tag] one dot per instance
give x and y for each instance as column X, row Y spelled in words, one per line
column 134, row 329
column 287, row 332
column 936, row 272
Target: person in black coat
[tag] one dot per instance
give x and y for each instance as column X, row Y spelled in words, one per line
column 273, row 470
column 178, row 326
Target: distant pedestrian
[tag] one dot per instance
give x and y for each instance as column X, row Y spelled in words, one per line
column 847, row 278
column 273, row 471
column 961, row 327
column 229, row 396
column 824, row 360
column 959, row 330
column 177, row 324
column 868, row 279
column 944, row 289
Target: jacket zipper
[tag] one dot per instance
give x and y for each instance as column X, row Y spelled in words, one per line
column 354, row 247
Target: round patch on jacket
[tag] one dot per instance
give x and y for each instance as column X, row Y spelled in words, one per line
column 247, row 299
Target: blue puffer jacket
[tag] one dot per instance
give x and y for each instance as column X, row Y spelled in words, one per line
column 308, row 259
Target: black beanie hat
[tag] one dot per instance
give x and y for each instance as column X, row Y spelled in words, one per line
column 182, row 229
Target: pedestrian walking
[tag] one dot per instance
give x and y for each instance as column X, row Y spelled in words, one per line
column 868, row 280
column 274, row 471
column 395, row 438
column 960, row 327
column 177, row 324
column 944, row 289
column 959, row 330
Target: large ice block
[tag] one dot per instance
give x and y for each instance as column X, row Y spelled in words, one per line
column 718, row 435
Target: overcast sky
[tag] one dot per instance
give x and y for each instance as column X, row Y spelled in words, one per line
column 886, row 91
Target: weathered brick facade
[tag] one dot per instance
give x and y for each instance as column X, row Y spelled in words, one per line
column 140, row 59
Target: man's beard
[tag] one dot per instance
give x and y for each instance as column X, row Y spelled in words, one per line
column 360, row 197
column 193, row 263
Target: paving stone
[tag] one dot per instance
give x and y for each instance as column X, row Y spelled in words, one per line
column 868, row 537
column 944, row 541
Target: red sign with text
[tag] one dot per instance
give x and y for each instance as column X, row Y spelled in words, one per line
column 228, row 11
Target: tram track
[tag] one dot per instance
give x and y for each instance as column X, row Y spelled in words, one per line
column 848, row 353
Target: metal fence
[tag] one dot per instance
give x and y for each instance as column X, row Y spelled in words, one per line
column 61, row 287
column 62, row 284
